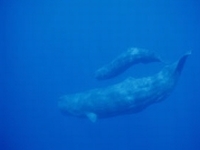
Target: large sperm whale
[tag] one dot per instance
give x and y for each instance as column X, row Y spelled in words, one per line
column 130, row 96
column 127, row 59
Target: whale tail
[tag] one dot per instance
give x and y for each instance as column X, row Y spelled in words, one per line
column 181, row 62
column 173, row 71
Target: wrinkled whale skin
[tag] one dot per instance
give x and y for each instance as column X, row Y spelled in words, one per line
column 130, row 96
column 127, row 59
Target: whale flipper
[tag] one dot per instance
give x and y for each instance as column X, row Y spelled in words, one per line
column 92, row 117
column 131, row 57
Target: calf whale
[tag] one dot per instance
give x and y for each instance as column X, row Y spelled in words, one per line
column 127, row 97
column 127, row 59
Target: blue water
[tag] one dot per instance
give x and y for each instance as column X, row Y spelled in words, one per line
column 50, row 48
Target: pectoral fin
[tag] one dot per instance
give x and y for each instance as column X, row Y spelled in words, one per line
column 92, row 116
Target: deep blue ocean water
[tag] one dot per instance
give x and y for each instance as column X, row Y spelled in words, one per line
column 50, row 48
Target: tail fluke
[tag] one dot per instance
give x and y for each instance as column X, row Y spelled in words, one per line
column 181, row 62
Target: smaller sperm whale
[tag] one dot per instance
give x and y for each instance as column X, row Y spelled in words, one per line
column 127, row 97
column 131, row 57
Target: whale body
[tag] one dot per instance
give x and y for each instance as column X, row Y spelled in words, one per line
column 127, row 97
column 127, row 59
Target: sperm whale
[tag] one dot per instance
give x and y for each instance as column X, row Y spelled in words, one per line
column 127, row 97
column 127, row 59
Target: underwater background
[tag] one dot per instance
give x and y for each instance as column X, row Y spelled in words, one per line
column 51, row 48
